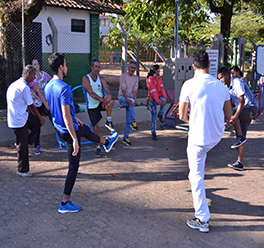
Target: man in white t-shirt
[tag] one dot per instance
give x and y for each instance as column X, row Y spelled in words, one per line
column 204, row 104
column 127, row 96
column 19, row 100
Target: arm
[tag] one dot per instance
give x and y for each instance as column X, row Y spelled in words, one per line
column 33, row 110
column 104, row 84
column 66, row 114
column 163, row 93
column 41, row 96
column 87, row 86
column 183, row 111
column 227, row 111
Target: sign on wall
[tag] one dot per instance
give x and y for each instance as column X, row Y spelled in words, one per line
column 213, row 58
column 260, row 59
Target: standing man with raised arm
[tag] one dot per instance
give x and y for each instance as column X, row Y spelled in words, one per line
column 209, row 103
column 127, row 96
column 96, row 101
column 22, row 117
column 69, row 127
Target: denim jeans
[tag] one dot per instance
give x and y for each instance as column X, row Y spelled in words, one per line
column 153, row 108
column 130, row 114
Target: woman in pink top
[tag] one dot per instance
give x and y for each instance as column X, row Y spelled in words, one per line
column 37, row 92
column 157, row 96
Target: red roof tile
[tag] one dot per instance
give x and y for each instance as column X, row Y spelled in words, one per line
column 91, row 5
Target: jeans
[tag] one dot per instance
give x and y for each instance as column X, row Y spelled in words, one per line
column 196, row 160
column 153, row 108
column 130, row 114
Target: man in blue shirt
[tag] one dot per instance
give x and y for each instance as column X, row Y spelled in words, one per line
column 244, row 111
column 69, row 127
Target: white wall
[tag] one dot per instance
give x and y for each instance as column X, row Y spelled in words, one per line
column 68, row 42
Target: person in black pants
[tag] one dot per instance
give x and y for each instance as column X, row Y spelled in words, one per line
column 68, row 126
column 23, row 117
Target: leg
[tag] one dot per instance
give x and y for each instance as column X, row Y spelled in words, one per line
column 161, row 111
column 73, row 166
column 153, row 109
column 96, row 130
column 34, row 127
column 196, row 159
column 22, row 148
column 130, row 115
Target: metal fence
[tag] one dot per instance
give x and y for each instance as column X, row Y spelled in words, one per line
column 11, row 53
column 38, row 45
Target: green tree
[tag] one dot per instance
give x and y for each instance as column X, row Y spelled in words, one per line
column 145, row 14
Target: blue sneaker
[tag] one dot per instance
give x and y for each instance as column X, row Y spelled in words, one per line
column 112, row 140
column 69, row 208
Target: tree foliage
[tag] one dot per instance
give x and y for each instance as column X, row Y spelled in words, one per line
column 11, row 10
column 145, row 14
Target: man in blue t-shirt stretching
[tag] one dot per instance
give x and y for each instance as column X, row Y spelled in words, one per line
column 68, row 126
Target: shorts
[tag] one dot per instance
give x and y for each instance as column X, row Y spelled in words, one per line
column 245, row 117
column 95, row 114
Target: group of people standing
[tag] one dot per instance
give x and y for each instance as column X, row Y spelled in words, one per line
column 204, row 103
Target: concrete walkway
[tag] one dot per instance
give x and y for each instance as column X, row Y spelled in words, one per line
column 136, row 196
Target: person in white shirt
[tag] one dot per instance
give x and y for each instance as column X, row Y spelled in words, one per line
column 205, row 105
column 19, row 100
column 244, row 111
column 127, row 96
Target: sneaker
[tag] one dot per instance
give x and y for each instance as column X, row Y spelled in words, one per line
column 133, row 125
column 160, row 118
column 69, row 208
column 37, row 150
column 110, row 125
column 236, row 166
column 154, row 136
column 112, row 140
column 197, row 224
column 98, row 153
column 240, row 141
column 127, row 142
column 23, row 174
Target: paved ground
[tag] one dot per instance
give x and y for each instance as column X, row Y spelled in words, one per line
column 145, row 205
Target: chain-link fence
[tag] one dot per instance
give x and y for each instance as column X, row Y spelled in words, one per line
column 79, row 49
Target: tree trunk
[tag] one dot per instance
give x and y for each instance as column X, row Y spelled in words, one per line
column 226, row 12
column 226, row 16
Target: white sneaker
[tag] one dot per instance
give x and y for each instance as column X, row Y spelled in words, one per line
column 23, row 174
column 197, row 224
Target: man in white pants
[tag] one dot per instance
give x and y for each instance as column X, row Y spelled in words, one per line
column 209, row 104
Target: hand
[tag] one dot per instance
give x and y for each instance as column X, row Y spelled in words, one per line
column 233, row 119
column 75, row 145
column 111, row 104
column 42, row 121
column 80, row 123
column 162, row 104
column 130, row 103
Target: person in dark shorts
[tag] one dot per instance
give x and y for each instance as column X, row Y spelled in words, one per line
column 96, row 101
column 244, row 111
